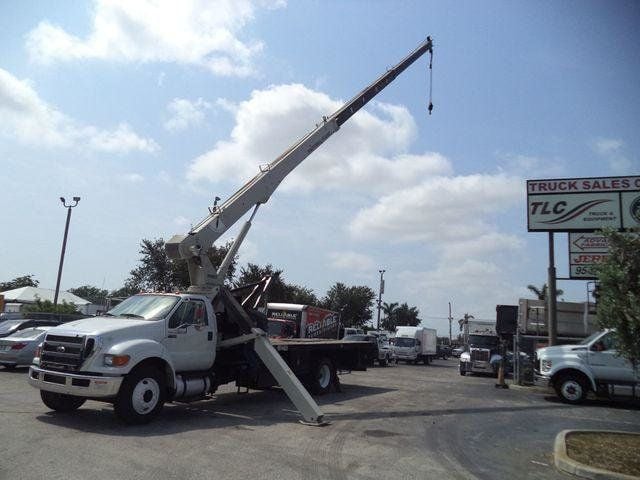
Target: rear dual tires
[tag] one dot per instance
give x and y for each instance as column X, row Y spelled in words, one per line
column 323, row 377
column 61, row 402
column 141, row 396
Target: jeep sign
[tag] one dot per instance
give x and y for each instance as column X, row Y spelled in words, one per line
column 583, row 204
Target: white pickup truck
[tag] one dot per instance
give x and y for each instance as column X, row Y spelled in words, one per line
column 592, row 365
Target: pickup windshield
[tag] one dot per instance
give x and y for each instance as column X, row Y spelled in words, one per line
column 146, row 307
column 590, row 338
column 405, row 342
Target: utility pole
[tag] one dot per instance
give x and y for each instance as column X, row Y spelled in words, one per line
column 450, row 319
column 380, row 292
column 64, row 244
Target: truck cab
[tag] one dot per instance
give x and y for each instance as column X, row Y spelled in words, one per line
column 132, row 356
column 481, row 355
column 592, row 365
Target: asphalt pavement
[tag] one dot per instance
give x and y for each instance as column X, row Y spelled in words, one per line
column 404, row 422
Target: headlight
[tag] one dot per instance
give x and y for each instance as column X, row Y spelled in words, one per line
column 116, row 360
column 545, row 364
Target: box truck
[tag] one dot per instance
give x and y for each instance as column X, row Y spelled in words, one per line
column 415, row 344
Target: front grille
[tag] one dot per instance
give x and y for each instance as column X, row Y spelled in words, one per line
column 63, row 353
column 480, row 355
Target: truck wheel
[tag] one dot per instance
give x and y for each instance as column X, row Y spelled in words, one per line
column 323, row 377
column 383, row 362
column 425, row 360
column 141, row 396
column 463, row 372
column 61, row 402
column 571, row 388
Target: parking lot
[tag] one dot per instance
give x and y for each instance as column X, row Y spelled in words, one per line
column 401, row 421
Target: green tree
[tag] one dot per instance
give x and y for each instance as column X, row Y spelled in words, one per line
column 406, row 315
column 47, row 306
column 355, row 303
column 389, row 321
column 157, row 272
column 619, row 293
column 541, row 293
column 279, row 289
column 93, row 294
column 18, row 282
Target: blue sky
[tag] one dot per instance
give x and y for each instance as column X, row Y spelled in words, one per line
column 148, row 110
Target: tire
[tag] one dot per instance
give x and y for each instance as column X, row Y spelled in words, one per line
column 141, row 396
column 322, row 377
column 61, row 402
column 571, row 388
column 462, row 370
column 383, row 362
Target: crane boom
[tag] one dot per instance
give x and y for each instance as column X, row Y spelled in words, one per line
column 194, row 246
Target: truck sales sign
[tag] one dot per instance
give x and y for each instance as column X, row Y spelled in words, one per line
column 583, row 204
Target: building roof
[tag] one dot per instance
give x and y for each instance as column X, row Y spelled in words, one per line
column 32, row 294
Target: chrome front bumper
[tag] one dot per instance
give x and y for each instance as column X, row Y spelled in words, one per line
column 73, row 384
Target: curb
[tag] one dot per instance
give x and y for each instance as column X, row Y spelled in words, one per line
column 569, row 465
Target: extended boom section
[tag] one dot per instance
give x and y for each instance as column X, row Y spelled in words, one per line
column 194, row 246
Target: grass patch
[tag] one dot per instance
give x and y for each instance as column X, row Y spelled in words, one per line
column 616, row 452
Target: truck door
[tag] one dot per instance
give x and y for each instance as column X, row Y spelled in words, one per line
column 190, row 337
column 605, row 362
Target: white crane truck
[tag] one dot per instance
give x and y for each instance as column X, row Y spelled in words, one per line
column 179, row 347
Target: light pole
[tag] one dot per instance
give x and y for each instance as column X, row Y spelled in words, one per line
column 380, row 292
column 64, row 244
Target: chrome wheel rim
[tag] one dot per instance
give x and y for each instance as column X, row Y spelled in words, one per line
column 146, row 395
column 572, row 390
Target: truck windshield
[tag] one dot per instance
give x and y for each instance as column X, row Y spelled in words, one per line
column 146, row 307
column 590, row 338
column 405, row 342
column 483, row 341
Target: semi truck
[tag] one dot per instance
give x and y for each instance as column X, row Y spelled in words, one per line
column 415, row 344
column 154, row 348
column 481, row 348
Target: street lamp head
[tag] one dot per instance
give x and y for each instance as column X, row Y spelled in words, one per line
column 62, row 199
column 76, row 199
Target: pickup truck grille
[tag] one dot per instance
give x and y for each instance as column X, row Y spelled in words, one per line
column 65, row 353
column 480, row 355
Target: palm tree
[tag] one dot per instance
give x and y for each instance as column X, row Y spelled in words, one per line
column 541, row 293
column 389, row 310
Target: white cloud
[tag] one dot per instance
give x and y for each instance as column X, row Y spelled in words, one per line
column 185, row 113
column 351, row 261
column 30, row 120
column 369, row 153
column 196, row 32
column 612, row 150
column 441, row 209
column 133, row 178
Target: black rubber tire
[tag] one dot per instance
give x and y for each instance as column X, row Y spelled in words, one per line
column 141, row 396
column 323, row 376
column 61, row 402
column 383, row 362
column 462, row 371
column 571, row 388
